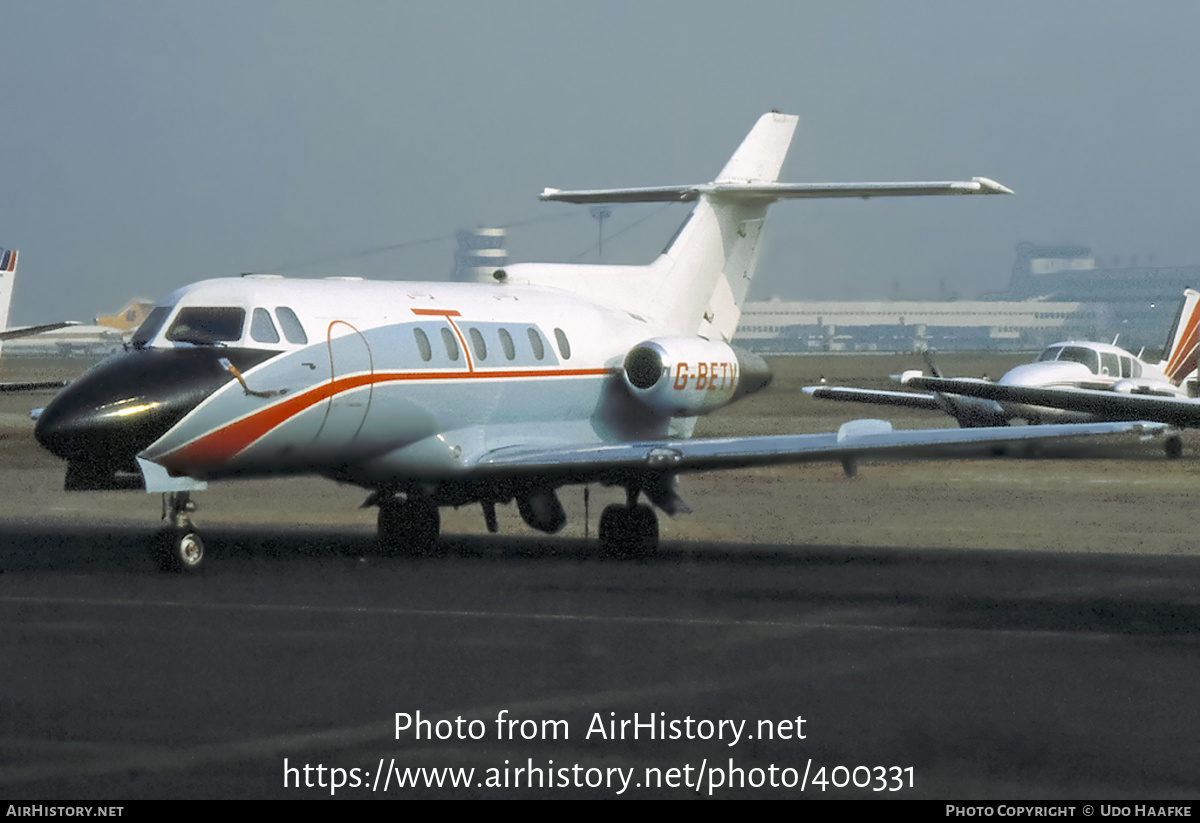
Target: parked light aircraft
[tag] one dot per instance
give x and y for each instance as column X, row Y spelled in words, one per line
column 434, row 394
column 8, row 278
column 1073, row 381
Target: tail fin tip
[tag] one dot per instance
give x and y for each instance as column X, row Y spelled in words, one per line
column 760, row 157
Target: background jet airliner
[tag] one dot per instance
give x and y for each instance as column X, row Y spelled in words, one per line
column 434, row 394
column 1073, row 381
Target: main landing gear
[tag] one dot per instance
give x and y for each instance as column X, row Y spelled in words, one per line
column 630, row 530
column 407, row 526
column 1173, row 446
column 177, row 546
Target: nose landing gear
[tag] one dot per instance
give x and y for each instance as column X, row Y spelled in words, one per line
column 177, row 547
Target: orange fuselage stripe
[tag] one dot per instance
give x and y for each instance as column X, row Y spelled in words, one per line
column 231, row 439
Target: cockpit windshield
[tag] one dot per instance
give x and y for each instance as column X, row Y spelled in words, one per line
column 205, row 326
column 150, row 327
column 1050, row 353
column 1079, row 354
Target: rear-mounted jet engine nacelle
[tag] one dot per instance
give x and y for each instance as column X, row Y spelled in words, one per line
column 690, row 375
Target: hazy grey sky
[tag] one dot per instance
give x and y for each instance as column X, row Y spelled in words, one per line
column 149, row 144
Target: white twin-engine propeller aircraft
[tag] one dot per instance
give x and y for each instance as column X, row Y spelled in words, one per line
column 436, row 394
column 1073, row 381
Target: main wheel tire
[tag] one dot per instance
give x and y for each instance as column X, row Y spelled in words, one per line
column 1173, row 446
column 643, row 529
column 408, row 527
column 628, row 532
column 612, row 530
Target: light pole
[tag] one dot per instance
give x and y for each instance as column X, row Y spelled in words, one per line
column 601, row 213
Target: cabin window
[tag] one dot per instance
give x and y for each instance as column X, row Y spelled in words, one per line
column 450, row 343
column 564, row 345
column 1126, row 366
column 506, row 343
column 262, row 330
column 423, row 345
column 150, row 327
column 290, row 323
column 477, row 344
column 535, row 343
column 1078, row 354
column 203, row 325
column 1109, row 364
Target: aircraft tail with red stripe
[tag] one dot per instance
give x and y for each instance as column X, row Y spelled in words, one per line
column 8, row 274
column 1183, row 343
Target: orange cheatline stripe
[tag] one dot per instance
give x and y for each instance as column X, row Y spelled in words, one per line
column 462, row 342
column 231, row 439
column 437, row 312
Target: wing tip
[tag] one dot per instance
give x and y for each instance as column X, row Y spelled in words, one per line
column 989, row 186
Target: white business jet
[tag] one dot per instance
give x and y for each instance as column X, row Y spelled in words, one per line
column 436, row 394
column 1070, row 382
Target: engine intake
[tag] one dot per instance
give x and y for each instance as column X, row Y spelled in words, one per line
column 687, row 376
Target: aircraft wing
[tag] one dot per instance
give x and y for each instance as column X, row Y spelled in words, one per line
column 910, row 400
column 33, row 386
column 856, row 439
column 28, row 331
column 1108, row 405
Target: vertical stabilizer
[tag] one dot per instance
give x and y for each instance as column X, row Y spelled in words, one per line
column 8, row 273
column 707, row 271
column 1183, row 343
column 759, row 159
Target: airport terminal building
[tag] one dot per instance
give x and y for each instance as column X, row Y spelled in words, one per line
column 1056, row 293
column 779, row 326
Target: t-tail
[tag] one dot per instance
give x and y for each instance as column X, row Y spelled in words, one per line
column 698, row 285
column 1180, row 354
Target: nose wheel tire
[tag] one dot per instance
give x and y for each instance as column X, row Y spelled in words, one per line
column 179, row 550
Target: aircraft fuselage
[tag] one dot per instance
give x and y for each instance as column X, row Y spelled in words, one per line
column 365, row 381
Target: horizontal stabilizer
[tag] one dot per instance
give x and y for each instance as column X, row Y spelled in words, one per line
column 769, row 192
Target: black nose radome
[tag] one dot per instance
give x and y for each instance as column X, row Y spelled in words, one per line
column 117, row 409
